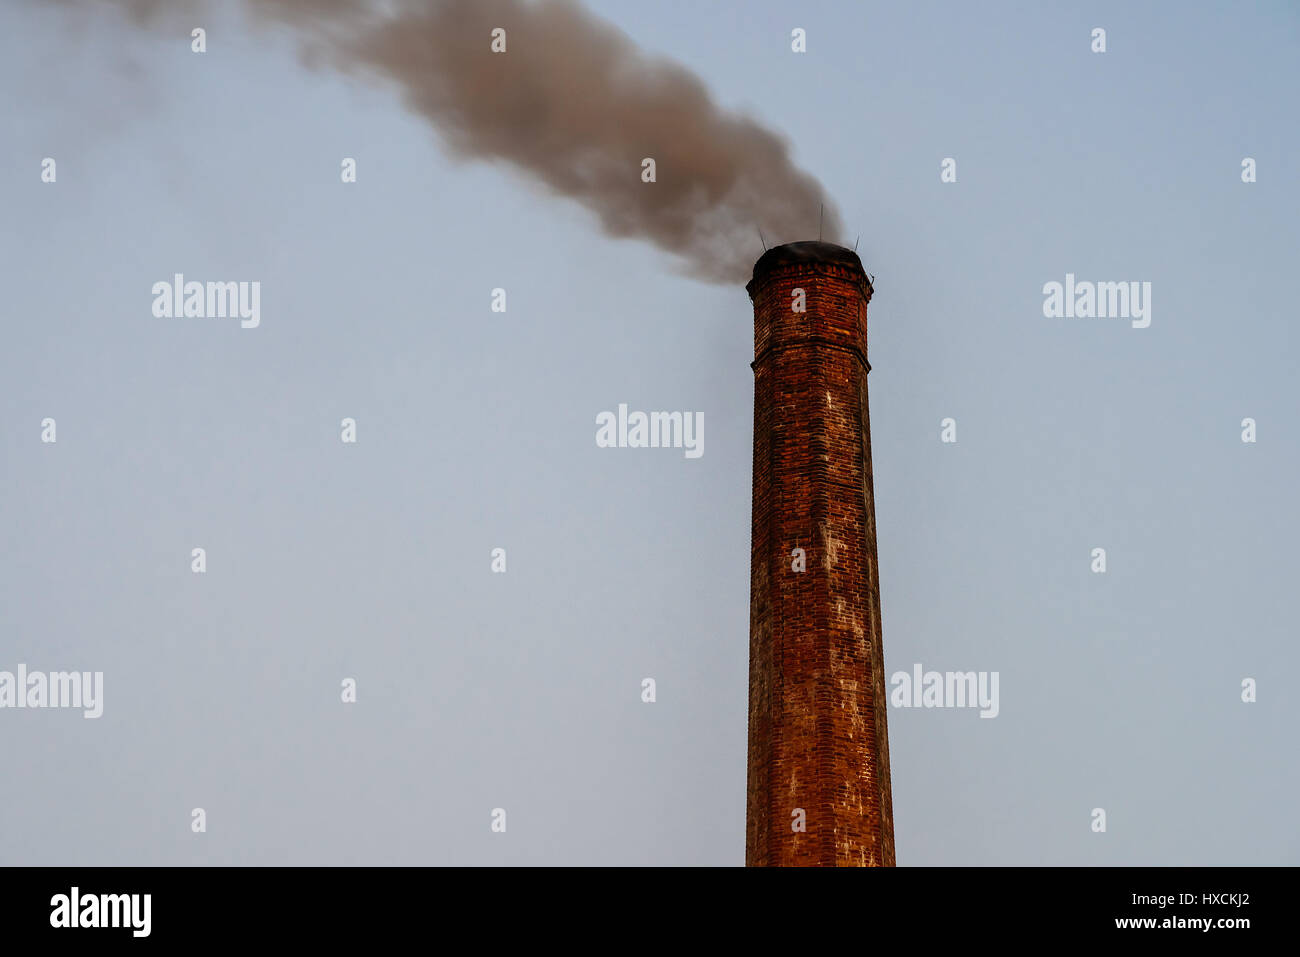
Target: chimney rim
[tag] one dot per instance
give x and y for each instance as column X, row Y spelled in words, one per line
column 803, row 253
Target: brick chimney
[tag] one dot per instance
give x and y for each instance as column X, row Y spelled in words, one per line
column 818, row 742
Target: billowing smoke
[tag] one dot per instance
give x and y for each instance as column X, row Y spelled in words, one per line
column 578, row 107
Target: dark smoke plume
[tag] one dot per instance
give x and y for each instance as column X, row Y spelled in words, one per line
column 576, row 105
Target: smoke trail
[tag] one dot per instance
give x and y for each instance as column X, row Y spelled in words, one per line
column 576, row 105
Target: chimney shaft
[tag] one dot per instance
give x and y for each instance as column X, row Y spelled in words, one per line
column 818, row 741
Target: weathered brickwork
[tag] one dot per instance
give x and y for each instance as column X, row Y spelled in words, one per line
column 817, row 697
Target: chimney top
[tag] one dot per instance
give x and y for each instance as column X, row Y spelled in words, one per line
column 811, row 251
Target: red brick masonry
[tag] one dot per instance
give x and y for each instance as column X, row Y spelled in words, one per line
column 817, row 693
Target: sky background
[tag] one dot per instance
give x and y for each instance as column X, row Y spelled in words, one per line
column 476, row 430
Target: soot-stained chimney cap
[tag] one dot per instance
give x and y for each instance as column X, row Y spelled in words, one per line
column 811, row 251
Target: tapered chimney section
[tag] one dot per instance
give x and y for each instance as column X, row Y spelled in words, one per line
column 818, row 743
